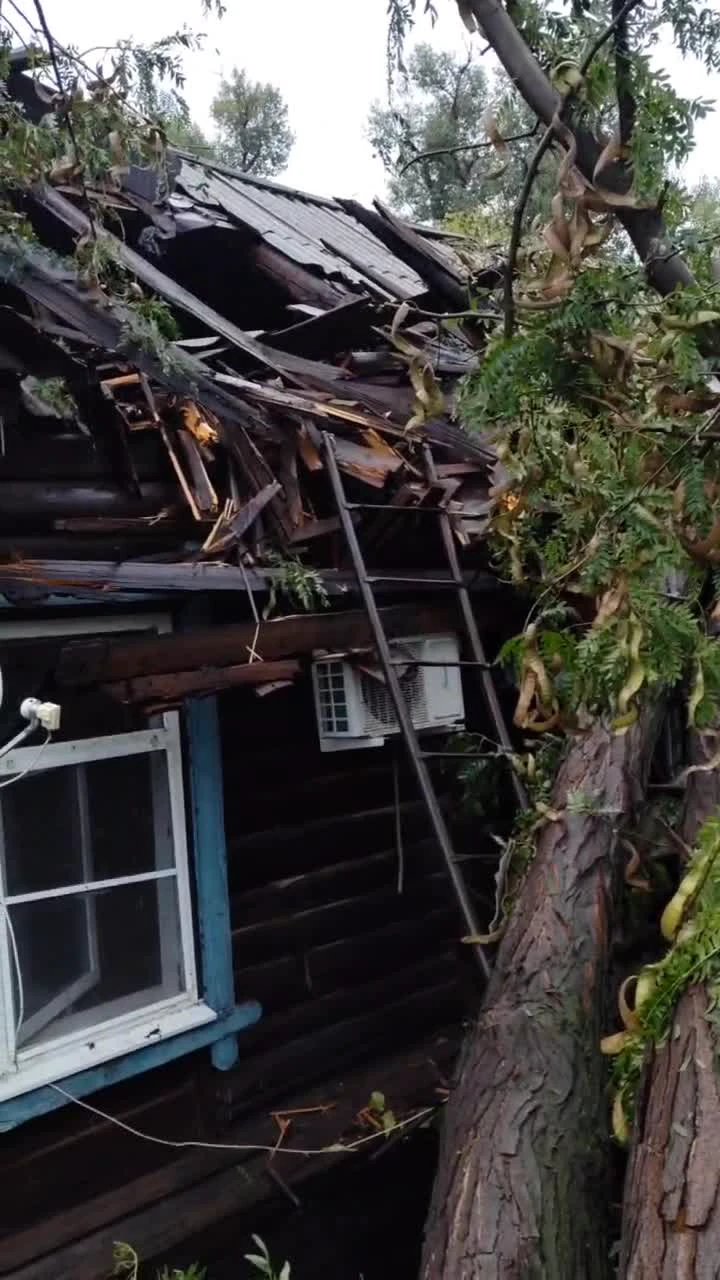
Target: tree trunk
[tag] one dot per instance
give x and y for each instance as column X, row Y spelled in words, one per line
column 671, row 1212
column 522, row 1183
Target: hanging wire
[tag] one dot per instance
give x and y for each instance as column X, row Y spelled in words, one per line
column 16, row 777
column 18, row 970
column 334, row 1147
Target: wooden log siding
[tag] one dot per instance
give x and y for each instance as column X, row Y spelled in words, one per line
column 192, row 1192
column 350, row 971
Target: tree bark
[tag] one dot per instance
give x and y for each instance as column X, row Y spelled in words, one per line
column 522, row 1185
column 666, row 268
column 671, row 1211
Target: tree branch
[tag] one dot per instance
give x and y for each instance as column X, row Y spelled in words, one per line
column 645, row 226
column 544, row 146
column 67, row 115
column 623, row 78
column 464, row 146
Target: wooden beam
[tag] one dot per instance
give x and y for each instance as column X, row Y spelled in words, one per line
column 95, row 661
column 181, row 684
column 300, row 284
column 24, row 499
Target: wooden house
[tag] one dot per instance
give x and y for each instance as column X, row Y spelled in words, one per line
column 217, row 939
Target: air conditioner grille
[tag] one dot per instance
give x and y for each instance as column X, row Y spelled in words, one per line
column 354, row 706
column 332, row 697
column 378, row 704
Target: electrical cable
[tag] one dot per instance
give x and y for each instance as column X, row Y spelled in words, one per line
column 18, row 970
column 338, row 1147
column 16, row 777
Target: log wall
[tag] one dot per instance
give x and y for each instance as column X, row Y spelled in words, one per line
column 363, row 988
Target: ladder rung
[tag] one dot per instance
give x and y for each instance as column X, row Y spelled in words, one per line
column 417, row 662
column 399, row 511
column 466, row 755
column 415, row 582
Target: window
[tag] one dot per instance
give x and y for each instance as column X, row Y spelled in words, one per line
column 96, row 934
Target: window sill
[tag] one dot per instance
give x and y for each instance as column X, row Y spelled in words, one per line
column 55, row 1062
column 218, row 1030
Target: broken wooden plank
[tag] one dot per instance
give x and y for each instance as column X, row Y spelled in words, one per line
column 300, row 284
column 371, row 461
column 288, row 476
column 175, row 463
column 251, row 510
column 308, row 450
column 341, row 326
column 171, row 687
column 316, row 529
column 204, row 493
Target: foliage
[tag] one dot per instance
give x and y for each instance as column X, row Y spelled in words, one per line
column 99, row 119
column 193, row 1272
column 263, row 1264
column 441, row 101
column 52, row 393
column 694, row 957
column 301, row 585
column 126, row 1266
column 379, row 1113
column 254, row 134
column 156, row 312
column 143, row 332
column 171, row 112
column 481, row 773
column 695, row 225
column 664, row 120
column 609, row 485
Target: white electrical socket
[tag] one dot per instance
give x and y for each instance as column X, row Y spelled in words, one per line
column 46, row 713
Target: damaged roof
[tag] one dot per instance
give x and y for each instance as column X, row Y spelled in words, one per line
column 311, row 230
column 185, row 463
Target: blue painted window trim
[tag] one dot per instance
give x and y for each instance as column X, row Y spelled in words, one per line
column 204, row 760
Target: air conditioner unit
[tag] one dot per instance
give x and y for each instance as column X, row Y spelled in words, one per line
column 354, row 706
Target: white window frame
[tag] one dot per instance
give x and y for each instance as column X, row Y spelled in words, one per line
column 26, row 1068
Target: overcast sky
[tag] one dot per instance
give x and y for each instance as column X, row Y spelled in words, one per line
column 327, row 57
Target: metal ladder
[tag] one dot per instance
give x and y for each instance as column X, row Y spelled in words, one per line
column 416, row 755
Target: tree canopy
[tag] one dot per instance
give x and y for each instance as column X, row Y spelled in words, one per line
column 441, row 138
column 253, row 130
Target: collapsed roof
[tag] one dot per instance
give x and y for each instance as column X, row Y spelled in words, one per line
column 144, row 463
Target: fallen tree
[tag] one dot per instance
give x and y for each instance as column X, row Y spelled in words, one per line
column 671, row 1215
column 523, row 1180
column 607, row 490
column 599, row 397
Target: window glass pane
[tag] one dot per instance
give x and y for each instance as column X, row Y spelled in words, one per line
column 41, row 832
column 80, row 823
column 54, row 951
column 130, row 820
column 88, row 957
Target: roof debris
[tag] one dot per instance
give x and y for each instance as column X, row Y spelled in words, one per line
column 188, row 457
